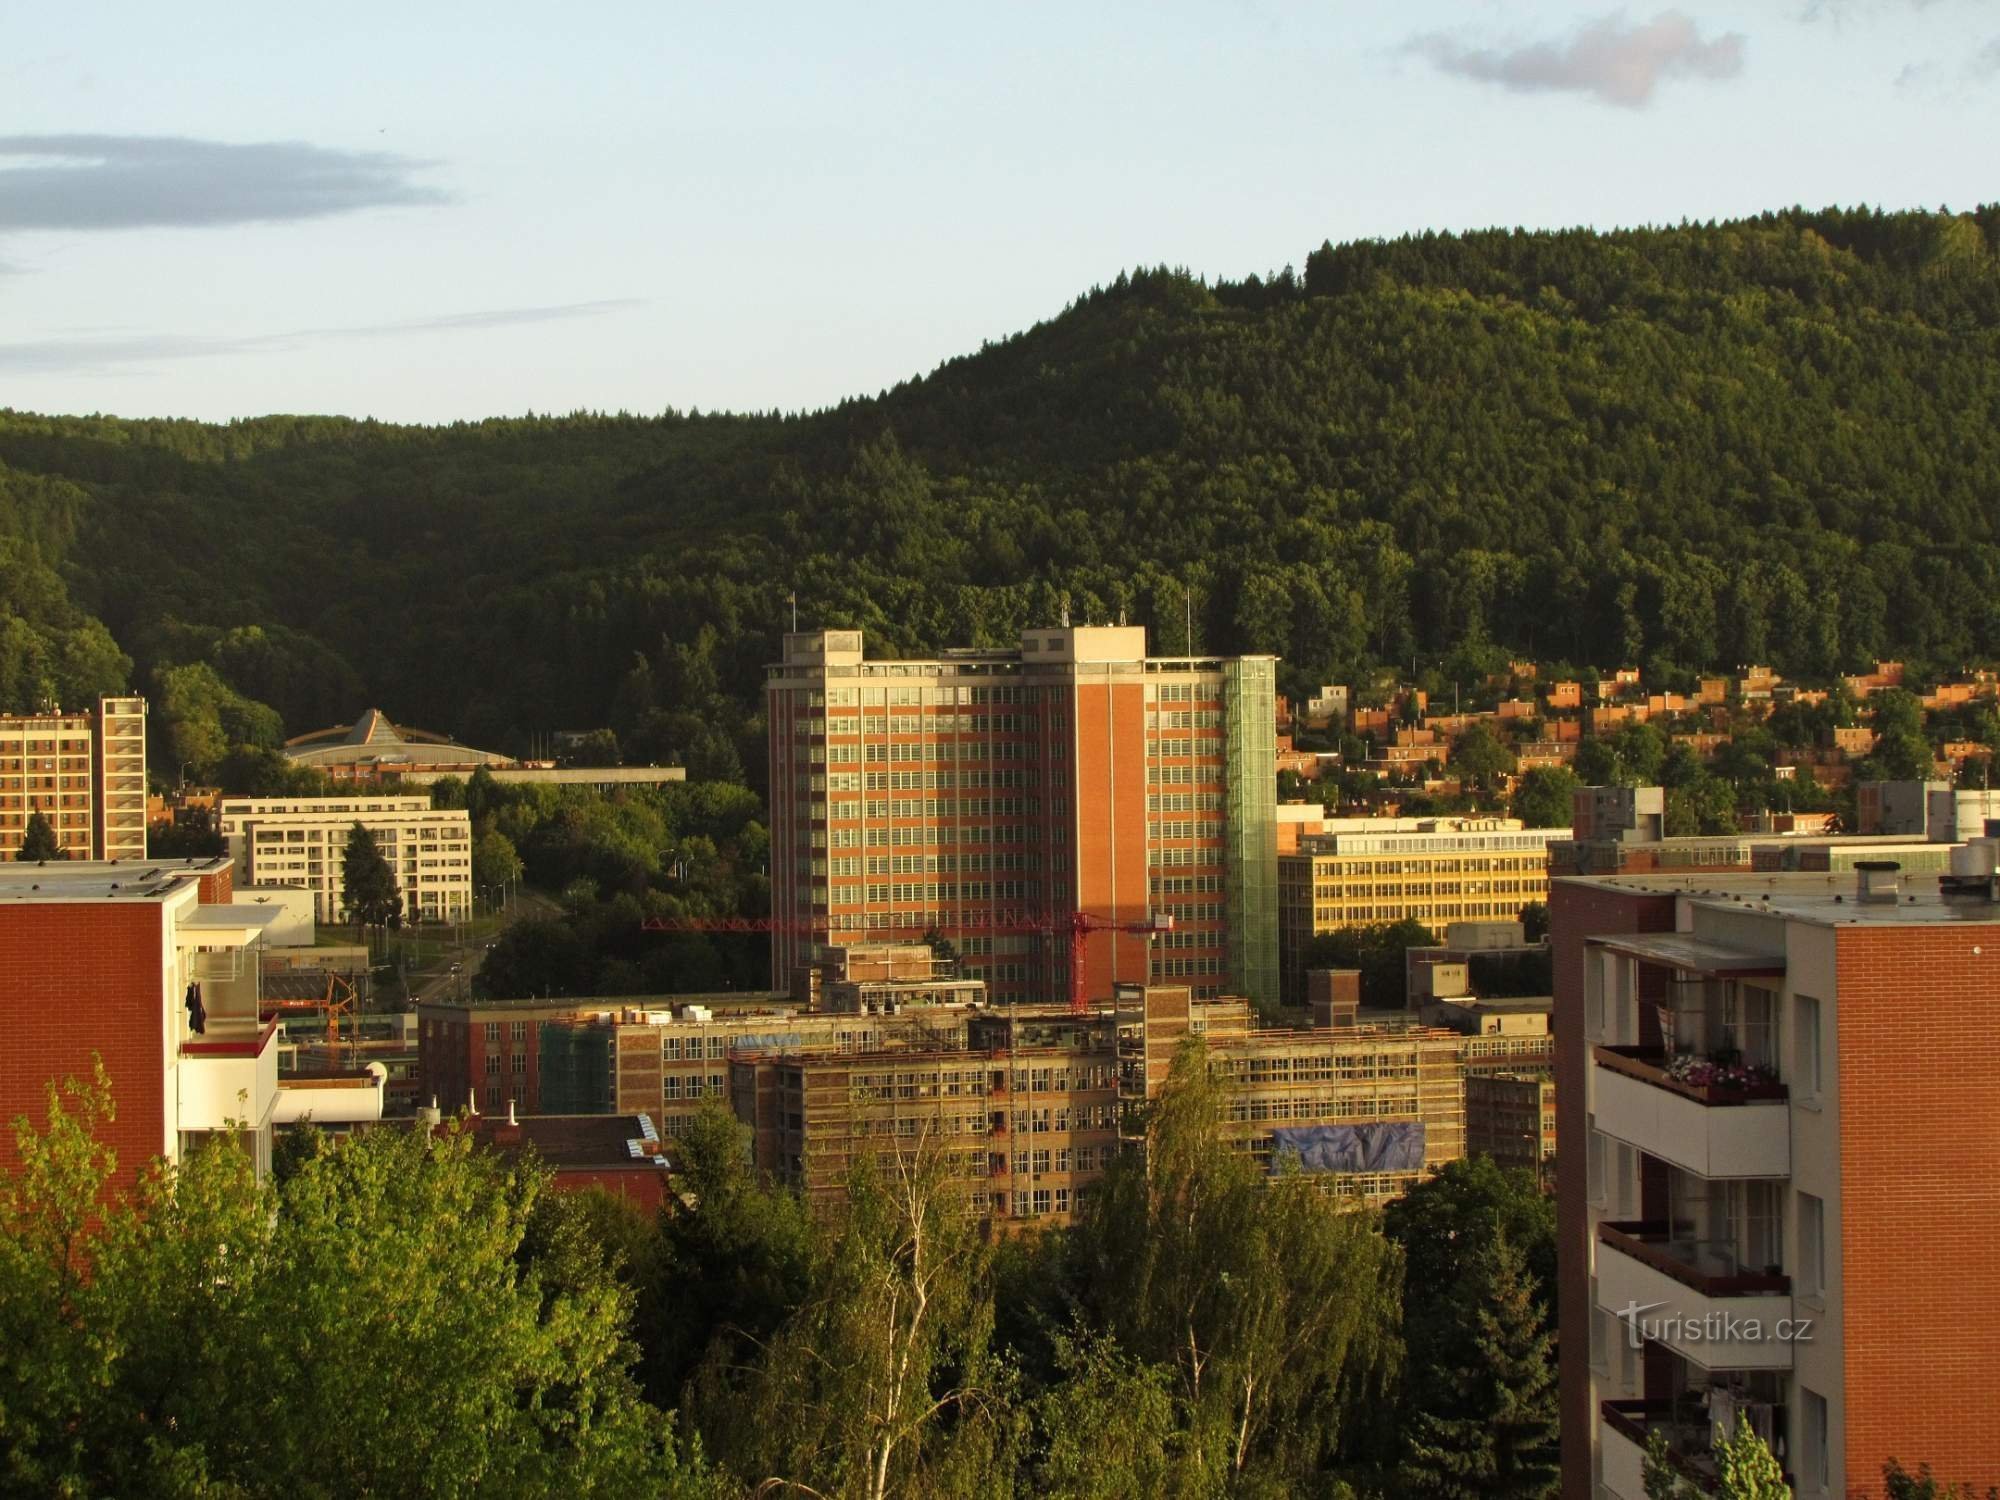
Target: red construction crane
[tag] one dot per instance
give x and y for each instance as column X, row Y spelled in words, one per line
column 1079, row 925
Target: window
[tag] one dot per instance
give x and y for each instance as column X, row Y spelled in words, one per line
column 1806, row 1079
column 1594, row 1168
column 1815, row 1468
column 1812, row 1246
column 492, row 1031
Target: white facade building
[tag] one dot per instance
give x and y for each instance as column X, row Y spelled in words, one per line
column 299, row 841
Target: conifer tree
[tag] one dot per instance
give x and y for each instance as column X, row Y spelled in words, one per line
column 367, row 884
column 1487, row 1430
column 39, row 841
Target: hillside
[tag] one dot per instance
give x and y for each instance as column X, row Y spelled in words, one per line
column 1775, row 439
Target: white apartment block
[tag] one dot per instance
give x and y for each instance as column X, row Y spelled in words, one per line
column 299, row 841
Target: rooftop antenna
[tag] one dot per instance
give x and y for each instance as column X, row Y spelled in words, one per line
column 795, row 611
column 1187, row 598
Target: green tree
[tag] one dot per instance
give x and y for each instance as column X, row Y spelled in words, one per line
column 1105, row 1429
column 1480, row 758
column 1902, row 755
column 597, row 748
column 39, row 841
column 131, row 1317
column 1899, row 1484
column 1270, row 1304
column 885, row 1373
column 495, row 862
column 1597, row 764
column 1642, row 750
column 1745, row 1470
column 1485, row 1424
column 1546, row 797
column 367, row 883
column 1377, row 950
column 738, row 1257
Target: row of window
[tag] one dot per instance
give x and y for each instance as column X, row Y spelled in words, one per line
column 1062, row 1159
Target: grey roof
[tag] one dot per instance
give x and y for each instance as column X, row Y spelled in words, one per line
column 372, row 738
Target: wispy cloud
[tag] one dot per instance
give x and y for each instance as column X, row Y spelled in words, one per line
column 92, row 182
column 1617, row 61
column 102, row 353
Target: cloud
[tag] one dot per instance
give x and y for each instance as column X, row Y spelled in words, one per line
column 1619, row 62
column 97, row 354
column 94, row 182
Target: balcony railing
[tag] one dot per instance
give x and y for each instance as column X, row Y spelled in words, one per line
column 1689, row 1433
column 1736, row 1084
column 1703, row 1266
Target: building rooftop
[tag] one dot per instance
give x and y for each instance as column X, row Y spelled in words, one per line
column 103, row 879
column 600, row 1141
column 1826, row 899
column 372, row 738
column 774, row 1002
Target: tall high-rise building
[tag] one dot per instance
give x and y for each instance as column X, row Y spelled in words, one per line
column 85, row 772
column 993, row 797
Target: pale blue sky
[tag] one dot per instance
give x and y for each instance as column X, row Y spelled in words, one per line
column 425, row 211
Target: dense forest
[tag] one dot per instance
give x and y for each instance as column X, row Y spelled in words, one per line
column 1775, row 439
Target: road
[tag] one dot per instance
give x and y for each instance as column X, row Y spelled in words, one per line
column 435, row 981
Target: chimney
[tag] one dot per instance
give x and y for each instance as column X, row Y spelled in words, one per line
column 1876, row 881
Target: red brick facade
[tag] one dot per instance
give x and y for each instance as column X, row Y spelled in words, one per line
column 1920, row 1190
column 83, row 978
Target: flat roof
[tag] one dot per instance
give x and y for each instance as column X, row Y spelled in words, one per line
column 571, row 1140
column 103, row 879
column 1827, row 899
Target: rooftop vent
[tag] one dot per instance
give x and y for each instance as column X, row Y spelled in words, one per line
column 1877, row 881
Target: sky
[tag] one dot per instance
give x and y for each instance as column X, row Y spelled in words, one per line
column 426, row 212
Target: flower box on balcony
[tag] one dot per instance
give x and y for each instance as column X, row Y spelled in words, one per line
column 1699, row 1079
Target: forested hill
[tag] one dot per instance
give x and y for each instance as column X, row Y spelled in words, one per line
column 1776, row 440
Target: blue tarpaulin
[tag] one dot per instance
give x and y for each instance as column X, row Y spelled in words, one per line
column 1389, row 1146
column 766, row 1041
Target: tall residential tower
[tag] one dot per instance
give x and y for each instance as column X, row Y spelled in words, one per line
column 993, row 796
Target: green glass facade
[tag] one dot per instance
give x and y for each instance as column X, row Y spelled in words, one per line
column 1250, row 708
column 576, row 1070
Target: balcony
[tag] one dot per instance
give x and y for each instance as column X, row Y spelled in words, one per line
column 1712, row 1129
column 1625, row 1427
column 228, row 1078
column 1694, row 1297
column 346, row 1097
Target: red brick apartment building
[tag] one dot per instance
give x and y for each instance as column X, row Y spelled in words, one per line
column 100, row 959
column 991, row 794
column 1787, row 1211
